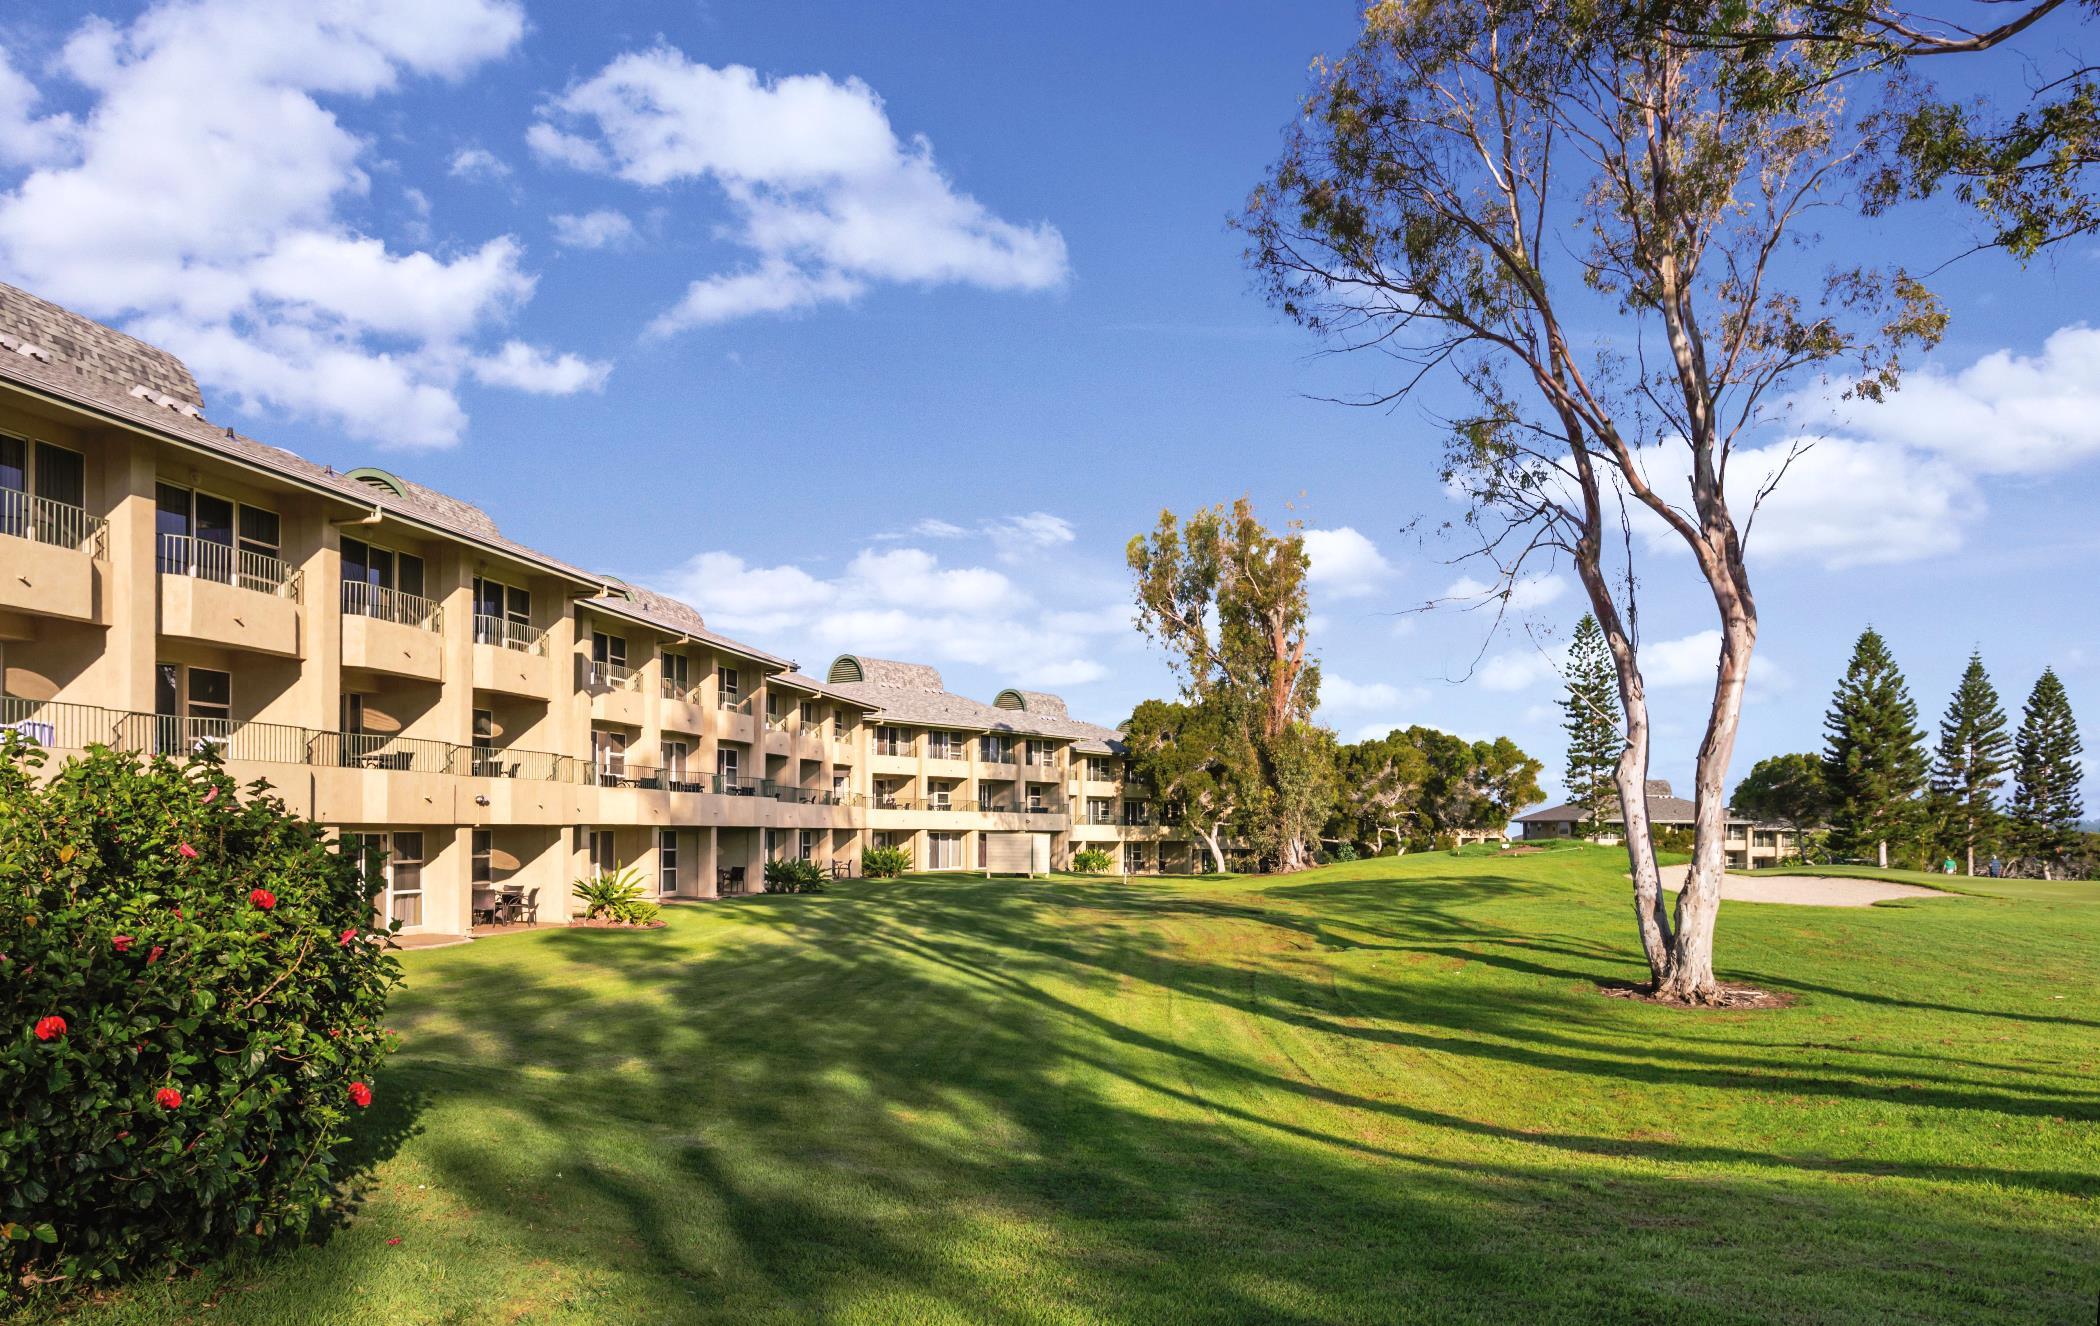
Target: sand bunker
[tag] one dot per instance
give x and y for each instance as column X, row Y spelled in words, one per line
column 1805, row 890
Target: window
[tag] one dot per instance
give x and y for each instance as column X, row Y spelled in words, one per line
column 726, row 764
column 215, row 538
column 396, row 860
column 772, row 705
column 57, row 477
column 886, row 793
column 998, row 750
column 380, row 573
column 808, row 714
column 609, row 649
column 484, row 858
column 609, row 755
column 1100, row 810
column 937, row 795
column 1133, row 858
column 677, row 672
column 943, row 851
column 353, row 714
column 502, row 614
column 772, row 844
column 210, row 695
column 673, row 755
column 1137, row 812
column 809, row 844
column 667, row 861
column 731, row 687
column 892, row 741
column 604, row 853
column 1100, row 769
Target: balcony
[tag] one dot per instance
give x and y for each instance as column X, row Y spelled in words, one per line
column 681, row 710
column 227, row 596
column 729, row 785
column 511, row 658
column 385, row 630
column 51, row 573
column 734, row 719
column 615, row 690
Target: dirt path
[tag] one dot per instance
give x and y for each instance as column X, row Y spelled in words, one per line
column 1805, row 890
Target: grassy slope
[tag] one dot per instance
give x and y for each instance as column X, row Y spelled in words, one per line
column 1379, row 1092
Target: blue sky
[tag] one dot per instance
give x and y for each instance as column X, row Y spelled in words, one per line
column 884, row 328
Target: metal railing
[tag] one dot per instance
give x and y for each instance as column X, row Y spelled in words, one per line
column 673, row 689
column 811, row 796
column 729, row 785
column 948, row 751
column 58, row 725
column 734, row 703
column 372, row 750
column 885, row 746
column 881, row 802
column 507, row 634
column 610, row 676
column 202, row 559
column 59, row 524
column 361, row 599
column 230, row 739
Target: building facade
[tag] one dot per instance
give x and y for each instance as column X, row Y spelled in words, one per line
column 486, row 714
column 1746, row 842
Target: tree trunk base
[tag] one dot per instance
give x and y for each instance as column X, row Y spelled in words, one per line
column 1715, row 995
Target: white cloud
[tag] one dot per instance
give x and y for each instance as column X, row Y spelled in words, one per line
column 1693, row 660
column 1526, row 594
column 1521, row 669
column 196, row 200
column 1018, row 538
column 1344, row 563
column 477, row 164
column 602, row 229
column 825, row 195
column 2004, row 414
column 523, row 367
column 1342, row 695
column 902, row 602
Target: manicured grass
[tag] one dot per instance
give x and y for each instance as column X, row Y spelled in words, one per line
column 1379, row 1092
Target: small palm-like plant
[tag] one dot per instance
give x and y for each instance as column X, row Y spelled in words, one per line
column 616, row 897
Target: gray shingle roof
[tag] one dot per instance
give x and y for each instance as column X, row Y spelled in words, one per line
column 1663, row 809
column 912, row 693
column 645, row 605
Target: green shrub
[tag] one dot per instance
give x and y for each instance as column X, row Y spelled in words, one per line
column 884, row 862
column 1343, row 852
column 189, row 1017
column 793, row 877
column 1092, row 861
column 616, row 898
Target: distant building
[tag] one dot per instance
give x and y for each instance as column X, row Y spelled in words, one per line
column 1748, row 842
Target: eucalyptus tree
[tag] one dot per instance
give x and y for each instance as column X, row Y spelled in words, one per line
column 1589, row 233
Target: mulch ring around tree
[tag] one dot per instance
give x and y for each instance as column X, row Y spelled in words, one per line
column 602, row 923
column 1724, row 996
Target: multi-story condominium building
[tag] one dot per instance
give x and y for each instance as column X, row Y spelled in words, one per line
column 1746, row 843
column 482, row 712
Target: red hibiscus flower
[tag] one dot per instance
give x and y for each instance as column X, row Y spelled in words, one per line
column 121, row 943
column 177, row 911
column 153, row 955
column 211, row 796
column 186, row 851
column 360, row 1094
column 50, row 1028
column 349, row 933
column 168, row 1098
column 263, row 898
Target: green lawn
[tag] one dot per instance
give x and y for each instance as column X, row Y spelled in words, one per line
column 1378, row 1092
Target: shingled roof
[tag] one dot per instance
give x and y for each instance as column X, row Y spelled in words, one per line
column 1664, row 809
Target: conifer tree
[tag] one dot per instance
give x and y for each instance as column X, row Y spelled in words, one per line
column 2046, row 803
column 1595, row 734
column 1970, row 766
column 1874, row 759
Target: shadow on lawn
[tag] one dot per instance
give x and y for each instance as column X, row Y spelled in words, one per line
column 1000, row 1103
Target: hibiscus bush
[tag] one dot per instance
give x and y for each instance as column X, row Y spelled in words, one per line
column 191, row 988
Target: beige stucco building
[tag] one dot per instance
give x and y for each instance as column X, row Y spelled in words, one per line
column 399, row 670
column 1746, row 843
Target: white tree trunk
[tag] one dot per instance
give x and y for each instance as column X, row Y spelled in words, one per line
column 1691, row 975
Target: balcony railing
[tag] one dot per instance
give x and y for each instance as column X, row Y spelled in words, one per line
column 729, row 785
column 391, row 605
column 951, row 751
column 57, row 725
column 598, row 676
column 369, row 750
column 186, row 555
column 734, row 703
column 674, row 689
column 886, row 746
column 57, row 523
column 507, row 634
column 229, row 739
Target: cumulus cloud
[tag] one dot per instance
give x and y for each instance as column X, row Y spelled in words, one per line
column 1014, row 539
column 903, row 601
column 1341, row 695
column 1521, row 669
column 478, row 164
column 1526, row 594
column 203, row 212
column 523, row 367
column 824, row 194
column 1344, row 563
column 602, row 229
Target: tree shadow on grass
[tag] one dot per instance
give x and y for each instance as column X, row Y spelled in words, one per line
column 970, row 1103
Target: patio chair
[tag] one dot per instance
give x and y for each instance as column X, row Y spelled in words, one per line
column 736, row 879
column 523, row 907
column 487, row 907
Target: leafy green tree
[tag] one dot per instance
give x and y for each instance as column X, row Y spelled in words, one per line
column 1874, row 757
column 1226, row 598
column 1467, row 785
column 1421, row 211
column 2047, row 804
column 1195, row 757
column 1789, row 789
column 1381, row 782
column 1591, row 719
column 1970, row 764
